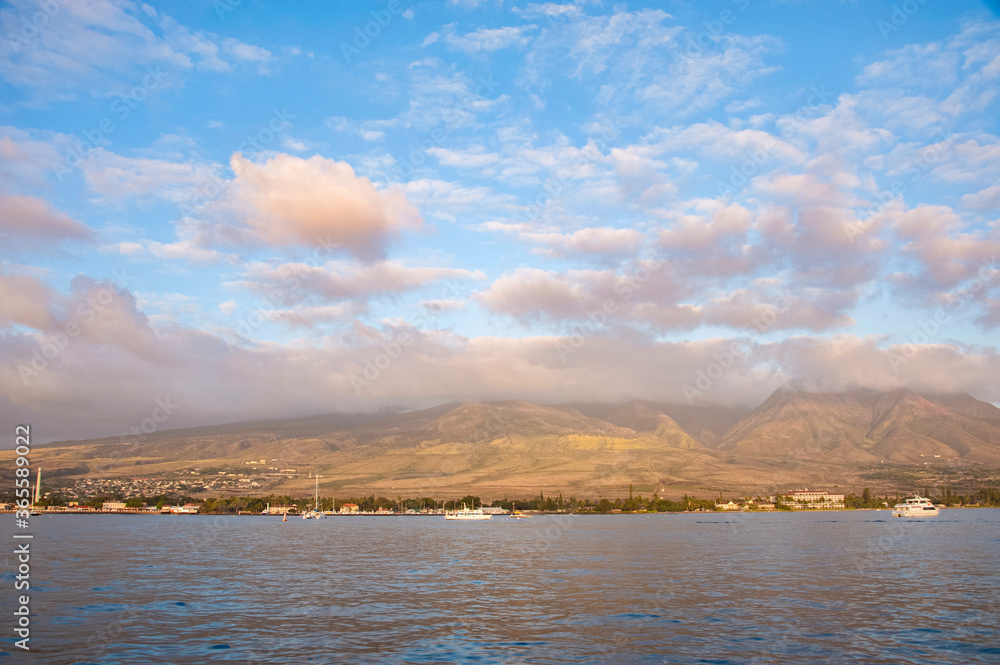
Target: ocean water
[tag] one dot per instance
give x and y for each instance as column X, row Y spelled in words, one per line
column 818, row 587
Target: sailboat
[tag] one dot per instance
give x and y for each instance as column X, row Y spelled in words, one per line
column 315, row 513
column 37, row 496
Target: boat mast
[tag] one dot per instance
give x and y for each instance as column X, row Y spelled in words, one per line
column 38, row 489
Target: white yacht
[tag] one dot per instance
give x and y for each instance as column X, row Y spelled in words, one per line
column 467, row 514
column 918, row 506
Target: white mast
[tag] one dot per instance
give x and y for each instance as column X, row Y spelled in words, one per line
column 38, row 488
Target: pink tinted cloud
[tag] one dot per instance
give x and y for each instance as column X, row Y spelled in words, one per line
column 292, row 201
column 703, row 232
column 947, row 251
column 805, row 189
column 600, row 240
column 211, row 384
column 24, row 300
column 334, row 281
column 30, row 222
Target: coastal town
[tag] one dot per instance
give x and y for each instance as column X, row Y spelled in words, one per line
column 251, row 490
column 108, row 496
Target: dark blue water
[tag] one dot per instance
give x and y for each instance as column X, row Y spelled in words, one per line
column 824, row 587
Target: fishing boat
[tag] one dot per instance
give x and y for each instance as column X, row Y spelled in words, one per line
column 918, row 506
column 467, row 514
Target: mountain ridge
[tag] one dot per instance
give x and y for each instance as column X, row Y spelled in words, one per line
column 794, row 436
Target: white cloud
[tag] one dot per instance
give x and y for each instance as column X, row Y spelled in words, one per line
column 592, row 241
column 713, row 139
column 475, row 157
column 738, row 106
column 294, row 144
column 342, row 124
column 25, row 158
column 97, row 43
column 183, row 250
column 486, row 39
column 697, row 82
column 987, row 199
column 451, row 200
column 548, row 10
column 247, row 52
column 912, row 66
column 959, row 73
column 116, row 177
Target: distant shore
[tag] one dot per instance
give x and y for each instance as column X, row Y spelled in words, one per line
column 540, row 513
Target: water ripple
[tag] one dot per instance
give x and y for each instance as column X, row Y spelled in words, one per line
column 795, row 588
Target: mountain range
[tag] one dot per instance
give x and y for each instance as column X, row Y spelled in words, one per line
column 794, row 438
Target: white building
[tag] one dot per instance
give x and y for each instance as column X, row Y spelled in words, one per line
column 281, row 510
column 811, row 499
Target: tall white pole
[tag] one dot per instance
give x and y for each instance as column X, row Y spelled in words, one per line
column 38, row 487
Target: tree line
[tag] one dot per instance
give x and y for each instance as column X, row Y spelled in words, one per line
column 945, row 496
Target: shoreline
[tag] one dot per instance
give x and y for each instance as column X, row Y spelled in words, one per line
column 530, row 513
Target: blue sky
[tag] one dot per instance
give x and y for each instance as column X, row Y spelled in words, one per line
column 261, row 209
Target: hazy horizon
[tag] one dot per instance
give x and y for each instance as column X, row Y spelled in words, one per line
column 258, row 212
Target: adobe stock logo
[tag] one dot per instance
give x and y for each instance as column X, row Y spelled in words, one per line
column 390, row 351
column 122, row 106
column 374, row 367
column 899, row 17
column 161, row 412
column 761, row 322
column 53, row 343
column 372, row 29
column 32, row 25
